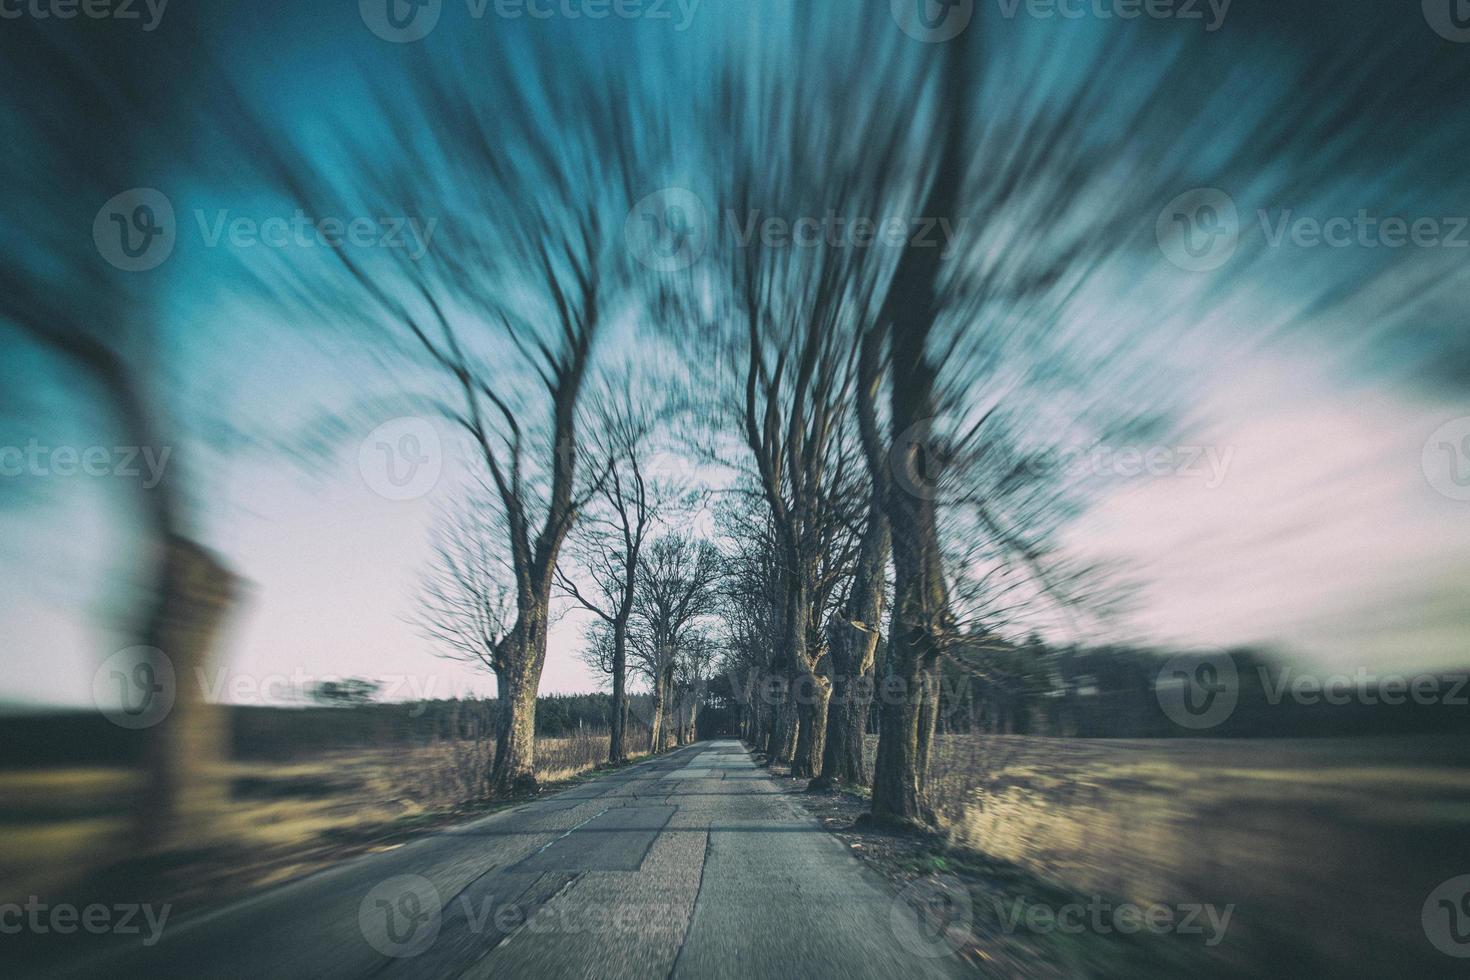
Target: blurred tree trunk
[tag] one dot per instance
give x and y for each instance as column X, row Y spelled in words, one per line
column 921, row 619
column 185, row 792
column 191, row 594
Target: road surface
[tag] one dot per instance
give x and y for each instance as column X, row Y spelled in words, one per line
column 691, row 864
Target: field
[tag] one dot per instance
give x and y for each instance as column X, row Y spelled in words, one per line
column 1324, row 850
column 1327, row 849
column 66, row 825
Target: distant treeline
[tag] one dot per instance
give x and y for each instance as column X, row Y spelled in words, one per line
column 993, row 686
column 988, row 686
column 265, row 732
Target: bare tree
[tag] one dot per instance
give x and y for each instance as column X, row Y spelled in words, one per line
column 608, row 546
column 501, row 320
column 751, row 594
column 677, row 587
column 691, row 678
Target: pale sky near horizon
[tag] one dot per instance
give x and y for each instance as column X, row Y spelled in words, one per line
column 1323, row 538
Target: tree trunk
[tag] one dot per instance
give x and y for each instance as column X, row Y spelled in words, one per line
column 655, row 733
column 798, row 716
column 853, row 647
column 514, row 772
column 813, row 693
column 668, row 731
column 921, row 618
column 772, row 695
column 928, row 720
column 185, row 791
column 787, row 734
column 843, row 759
column 615, row 753
column 919, row 623
column 896, row 789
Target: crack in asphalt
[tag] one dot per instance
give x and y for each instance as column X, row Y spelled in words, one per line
column 693, row 908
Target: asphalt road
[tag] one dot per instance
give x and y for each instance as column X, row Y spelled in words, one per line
column 691, row 864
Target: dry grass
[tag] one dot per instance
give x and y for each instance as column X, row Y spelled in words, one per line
column 1327, row 847
column 64, row 827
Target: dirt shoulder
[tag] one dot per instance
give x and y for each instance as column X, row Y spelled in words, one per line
column 1001, row 920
